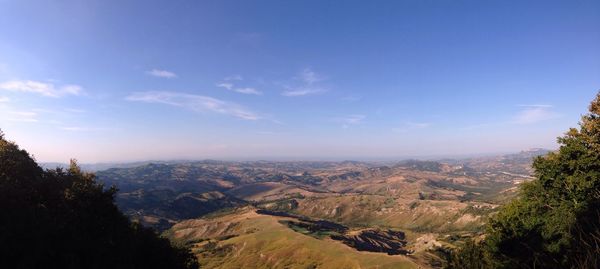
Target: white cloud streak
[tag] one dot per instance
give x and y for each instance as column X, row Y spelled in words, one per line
column 161, row 73
column 418, row 125
column 351, row 120
column 302, row 91
column 24, row 113
column 231, row 87
column 23, row 119
column 309, row 85
column 228, row 86
column 22, row 116
column 531, row 114
column 45, row 89
column 309, row 76
column 248, row 91
column 82, row 129
column 75, row 110
column 193, row 102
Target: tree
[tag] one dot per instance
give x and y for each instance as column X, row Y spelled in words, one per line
column 555, row 221
column 65, row 219
column 471, row 256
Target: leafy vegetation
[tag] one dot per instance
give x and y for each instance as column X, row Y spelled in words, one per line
column 63, row 218
column 555, row 221
column 308, row 229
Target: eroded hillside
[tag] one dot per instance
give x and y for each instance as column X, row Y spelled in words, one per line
column 396, row 214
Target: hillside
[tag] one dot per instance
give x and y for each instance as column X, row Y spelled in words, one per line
column 432, row 204
column 250, row 240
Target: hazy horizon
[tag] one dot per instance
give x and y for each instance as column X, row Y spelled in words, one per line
column 105, row 81
column 374, row 159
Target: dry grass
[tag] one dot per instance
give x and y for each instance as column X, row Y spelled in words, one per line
column 262, row 242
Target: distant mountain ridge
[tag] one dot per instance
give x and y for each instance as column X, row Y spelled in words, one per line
column 162, row 193
column 93, row 167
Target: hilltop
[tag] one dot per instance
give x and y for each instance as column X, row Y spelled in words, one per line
column 422, row 208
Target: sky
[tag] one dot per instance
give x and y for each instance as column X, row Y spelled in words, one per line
column 114, row 81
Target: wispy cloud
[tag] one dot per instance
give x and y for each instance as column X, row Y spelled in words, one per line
column 248, row 91
column 225, row 85
column 74, row 110
column 310, row 77
column 22, row 116
column 161, row 73
column 348, row 120
column 408, row 126
column 531, row 114
column 81, row 129
column 23, row 119
column 528, row 114
column 24, row 113
column 60, row 112
column 354, row 119
column 309, row 84
column 45, row 89
column 302, row 91
column 4, row 99
column 193, row 102
column 231, row 87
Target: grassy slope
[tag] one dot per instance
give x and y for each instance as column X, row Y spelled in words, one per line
column 379, row 211
column 260, row 241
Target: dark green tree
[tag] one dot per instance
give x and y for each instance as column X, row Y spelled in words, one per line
column 65, row 219
column 555, row 221
column 471, row 256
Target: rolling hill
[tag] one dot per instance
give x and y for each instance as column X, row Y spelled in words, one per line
column 396, row 215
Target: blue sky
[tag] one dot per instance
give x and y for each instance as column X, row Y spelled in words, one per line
column 136, row 80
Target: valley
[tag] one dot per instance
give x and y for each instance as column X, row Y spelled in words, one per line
column 264, row 214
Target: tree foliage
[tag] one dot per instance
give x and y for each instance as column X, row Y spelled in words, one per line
column 555, row 221
column 65, row 219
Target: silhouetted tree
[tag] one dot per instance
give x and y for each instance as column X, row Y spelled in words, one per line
column 63, row 218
